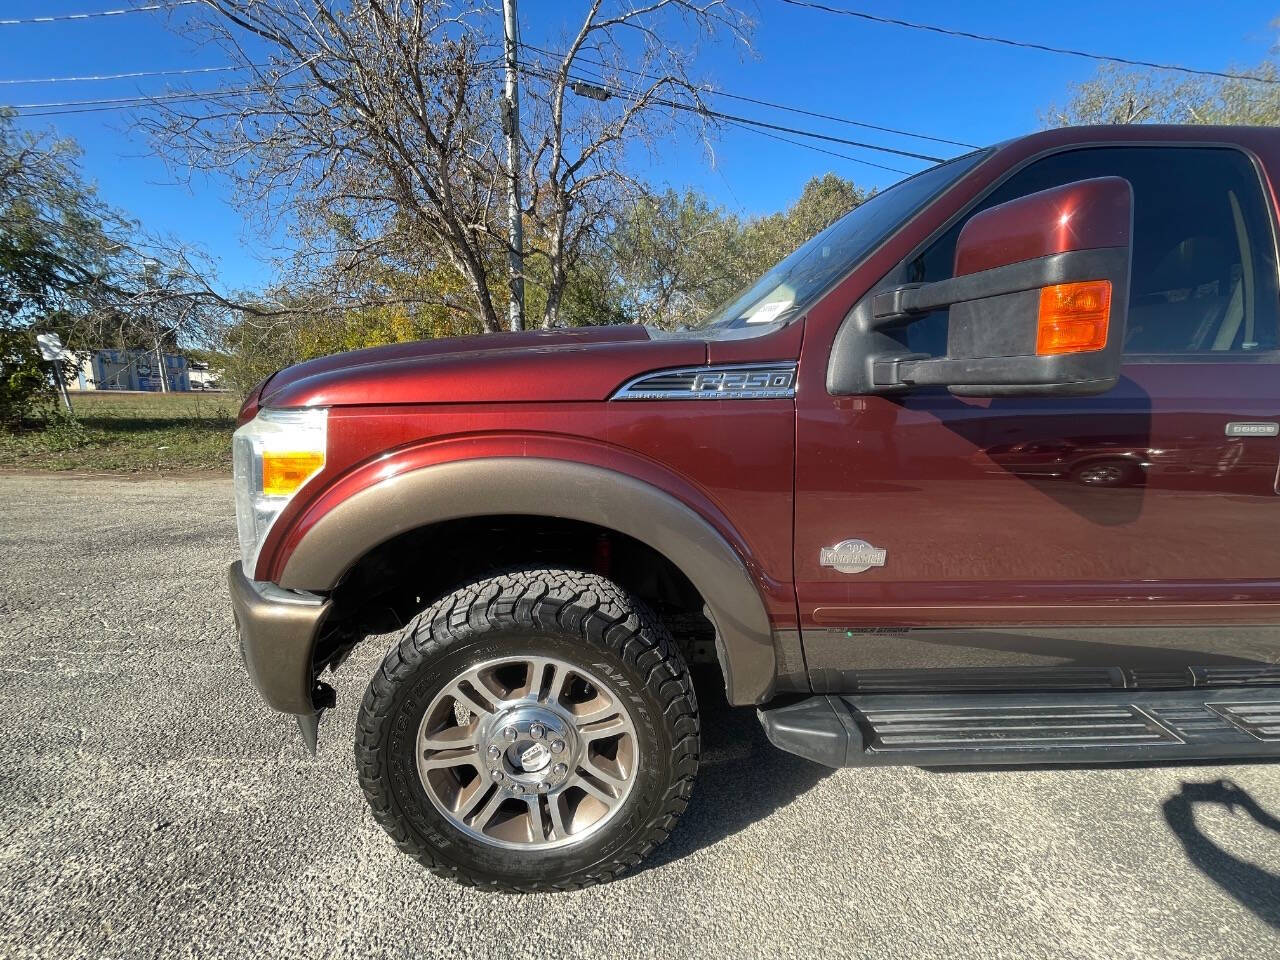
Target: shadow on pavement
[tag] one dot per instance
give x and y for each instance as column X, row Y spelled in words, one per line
column 1252, row 886
column 742, row 778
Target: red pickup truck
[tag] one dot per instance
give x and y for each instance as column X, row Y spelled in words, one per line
column 984, row 473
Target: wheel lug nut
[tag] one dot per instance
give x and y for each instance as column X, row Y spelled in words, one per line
column 516, row 788
column 560, row 769
column 557, row 746
column 510, row 733
column 545, row 786
column 537, row 731
column 495, row 752
column 497, row 775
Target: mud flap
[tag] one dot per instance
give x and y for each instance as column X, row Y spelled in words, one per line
column 324, row 697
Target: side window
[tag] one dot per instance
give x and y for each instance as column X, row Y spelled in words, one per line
column 1204, row 269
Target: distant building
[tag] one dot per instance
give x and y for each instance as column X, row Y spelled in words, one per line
column 129, row 370
column 203, row 377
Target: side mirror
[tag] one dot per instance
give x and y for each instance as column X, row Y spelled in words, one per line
column 1037, row 304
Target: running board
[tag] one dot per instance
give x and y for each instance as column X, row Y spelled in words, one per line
column 930, row 729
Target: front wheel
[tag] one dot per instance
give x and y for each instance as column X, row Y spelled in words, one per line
column 536, row 730
column 1105, row 473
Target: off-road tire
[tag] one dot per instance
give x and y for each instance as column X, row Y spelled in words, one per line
column 575, row 616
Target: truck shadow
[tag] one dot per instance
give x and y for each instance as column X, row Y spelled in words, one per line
column 1253, row 887
column 741, row 780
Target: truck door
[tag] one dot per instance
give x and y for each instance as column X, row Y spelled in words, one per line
column 1127, row 539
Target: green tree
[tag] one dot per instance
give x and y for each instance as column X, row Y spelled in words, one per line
column 55, row 246
column 678, row 256
column 822, row 202
column 54, row 250
column 73, row 265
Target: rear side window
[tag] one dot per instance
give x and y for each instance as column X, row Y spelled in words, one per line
column 1204, row 268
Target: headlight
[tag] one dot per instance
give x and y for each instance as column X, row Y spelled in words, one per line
column 273, row 455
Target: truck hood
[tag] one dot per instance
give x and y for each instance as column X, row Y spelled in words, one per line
column 579, row 364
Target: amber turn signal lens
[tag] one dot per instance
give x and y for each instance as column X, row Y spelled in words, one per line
column 283, row 473
column 1074, row 317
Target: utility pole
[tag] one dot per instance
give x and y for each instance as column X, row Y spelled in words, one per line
column 511, row 127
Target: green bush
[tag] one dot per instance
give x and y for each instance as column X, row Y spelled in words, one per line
column 24, row 376
column 63, row 432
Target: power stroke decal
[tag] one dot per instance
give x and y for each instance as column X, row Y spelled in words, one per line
column 745, row 381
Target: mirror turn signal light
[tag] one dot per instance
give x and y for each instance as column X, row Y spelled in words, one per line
column 283, row 473
column 1074, row 317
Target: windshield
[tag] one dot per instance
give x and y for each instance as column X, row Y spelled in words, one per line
column 802, row 276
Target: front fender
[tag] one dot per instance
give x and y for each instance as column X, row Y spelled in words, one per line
column 491, row 486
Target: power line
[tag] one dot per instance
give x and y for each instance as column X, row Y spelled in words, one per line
column 741, row 124
column 123, row 103
column 716, row 91
column 773, row 131
column 65, row 107
column 835, row 119
column 967, row 35
column 56, row 108
column 60, row 113
column 138, row 74
column 762, row 124
column 132, row 75
column 135, row 100
column 814, row 146
column 59, row 108
column 94, row 14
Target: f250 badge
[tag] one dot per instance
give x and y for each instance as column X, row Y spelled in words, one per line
column 852, row 556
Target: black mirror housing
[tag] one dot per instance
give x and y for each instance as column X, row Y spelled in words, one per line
column 1037, row 305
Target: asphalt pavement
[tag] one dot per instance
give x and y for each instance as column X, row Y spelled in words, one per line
column 152, row 807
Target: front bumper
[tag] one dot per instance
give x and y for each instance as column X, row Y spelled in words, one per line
column 278, row 631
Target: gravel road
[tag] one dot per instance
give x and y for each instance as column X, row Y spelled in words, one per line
column 152, row 807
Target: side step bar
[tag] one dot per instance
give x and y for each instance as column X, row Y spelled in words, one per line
column 930, row 729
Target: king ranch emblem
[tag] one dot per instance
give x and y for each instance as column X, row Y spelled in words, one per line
column 852, row 556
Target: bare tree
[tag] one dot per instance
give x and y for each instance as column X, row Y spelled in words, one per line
column 1117, row 95
column 375, row 128
column 618, row 82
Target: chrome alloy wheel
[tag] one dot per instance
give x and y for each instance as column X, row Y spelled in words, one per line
column 527, row 752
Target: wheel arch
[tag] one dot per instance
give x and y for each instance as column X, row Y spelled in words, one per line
column 350, row 528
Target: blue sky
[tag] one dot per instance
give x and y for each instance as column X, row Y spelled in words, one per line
column 960, row 89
